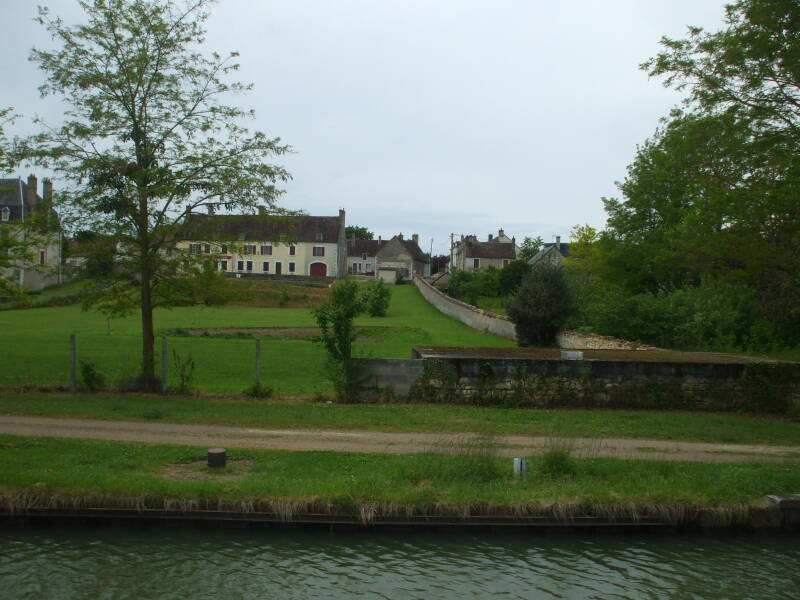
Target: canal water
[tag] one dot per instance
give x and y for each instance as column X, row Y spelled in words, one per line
column 71, row 562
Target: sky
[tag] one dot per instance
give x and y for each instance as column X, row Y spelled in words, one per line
column 429, row 116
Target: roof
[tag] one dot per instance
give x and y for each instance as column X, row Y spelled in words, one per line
column 475, row 249
column 13, row 194
column 563, row 247
column 373, row 247
column 297, row 228
column 547, row 249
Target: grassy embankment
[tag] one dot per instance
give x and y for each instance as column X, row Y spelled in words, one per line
column 39, row 346
column 679, row 426
column 79, row 474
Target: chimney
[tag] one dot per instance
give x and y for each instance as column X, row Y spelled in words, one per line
column 415, row 238
column 558, row 241
column 500, row 233
column 30, row 194
column 210, row 209
column 47, row 200
column 400, row 236
column 379, row 239
column 490, row 237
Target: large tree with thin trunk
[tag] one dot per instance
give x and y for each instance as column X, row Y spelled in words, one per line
column 147, row 139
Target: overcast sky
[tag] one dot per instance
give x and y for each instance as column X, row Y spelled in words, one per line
column 431, row 117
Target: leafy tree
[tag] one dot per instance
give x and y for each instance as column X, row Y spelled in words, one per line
column 335, row 320
column 581, row 241
column 510, row 277
column 540, row 306
column 354, row 232
column 529, row 247
column 377, row 298
column 147, row 140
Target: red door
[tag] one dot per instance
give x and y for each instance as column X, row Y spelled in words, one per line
column 319, row 269
column 278, row 268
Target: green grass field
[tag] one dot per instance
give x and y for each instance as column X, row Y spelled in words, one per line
column 61, row 467
column 35, row 343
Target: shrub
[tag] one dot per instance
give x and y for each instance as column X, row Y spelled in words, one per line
column 557, row 462
column 337, row 334
column 377, row 298
column 510, row 277
column 91, row 379
column 262, row 392
column 540, row 305
column 184, row 372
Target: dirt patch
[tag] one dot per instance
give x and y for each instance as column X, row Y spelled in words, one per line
column 293, row 332
column 198, row 470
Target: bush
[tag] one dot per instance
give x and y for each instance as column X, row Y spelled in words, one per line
column 92, row 380
column 377, row 298
column 337, row 334
column 510, row 277
column 540, row 306
column 557, row 462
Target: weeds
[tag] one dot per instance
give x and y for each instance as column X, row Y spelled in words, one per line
column 92, row 380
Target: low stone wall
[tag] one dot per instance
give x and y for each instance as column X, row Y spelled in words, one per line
column 306, row 280
column 761, row 387
column 485, row 320
column 474, row 317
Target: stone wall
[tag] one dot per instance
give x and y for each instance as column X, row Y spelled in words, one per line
column 471, row 316
column 768, row 387
column 488, row 321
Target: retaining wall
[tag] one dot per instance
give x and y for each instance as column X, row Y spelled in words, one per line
column 485, row 320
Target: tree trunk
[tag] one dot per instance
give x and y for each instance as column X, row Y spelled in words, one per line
column 149, row 383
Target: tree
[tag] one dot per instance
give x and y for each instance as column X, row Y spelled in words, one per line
column 529, row 247
column 581, row 241
column 540, row 305
column 377, row 298
column 510, row 277
column 335, row 319
column 354, row 232
column 147, row 140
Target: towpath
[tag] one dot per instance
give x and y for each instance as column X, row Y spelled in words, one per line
column 376, row 441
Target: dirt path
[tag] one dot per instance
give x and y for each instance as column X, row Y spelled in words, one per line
column 375, row 441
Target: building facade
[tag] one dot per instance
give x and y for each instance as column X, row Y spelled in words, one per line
column 28, row 217
column 469, row 254
column 399, row 255
column 266, row 245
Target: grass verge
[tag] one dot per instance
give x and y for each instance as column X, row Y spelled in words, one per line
column 682, row 426
column 63, row 473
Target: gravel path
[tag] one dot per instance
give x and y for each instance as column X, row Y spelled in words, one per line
column 376, row 441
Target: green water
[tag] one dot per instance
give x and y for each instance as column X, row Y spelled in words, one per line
column 70, row 562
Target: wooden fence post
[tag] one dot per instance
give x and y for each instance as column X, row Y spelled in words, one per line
column 164, row 365
column 73, row 363
column 258, row 363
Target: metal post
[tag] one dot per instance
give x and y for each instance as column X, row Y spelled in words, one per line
column 258, row 363
column 73, row 364
column 164, row 366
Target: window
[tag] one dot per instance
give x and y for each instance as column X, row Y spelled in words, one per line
column 194, row 248
column 292, row 250
column 42, row 256
column 249, row 249
column 224, row 249
column 265, row 250
column 319, row 251
column 240, row 265
column 207, row 248
column 291, row 267
column 505, row 262
column 223, row 265
column 249, row 265
column 319, row 236
column 363, row 256
column 5, row 214
column 358, row 267
column 476, row 263
column 265, row 267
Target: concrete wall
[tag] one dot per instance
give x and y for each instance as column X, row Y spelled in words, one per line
column 395, row 374
column 485, row 320
column 471, row 316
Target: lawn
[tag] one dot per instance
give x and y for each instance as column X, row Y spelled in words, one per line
column 36, row 343
column 600, row 424
column 146, row 475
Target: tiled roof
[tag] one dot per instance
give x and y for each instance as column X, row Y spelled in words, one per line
column 563, row 247
column 13, row 194
column 268, row 228
column 475, row 249
column 372, row 247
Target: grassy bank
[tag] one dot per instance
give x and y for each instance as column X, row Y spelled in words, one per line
column 72, row 474
column 295, row 367
column 683, row 426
